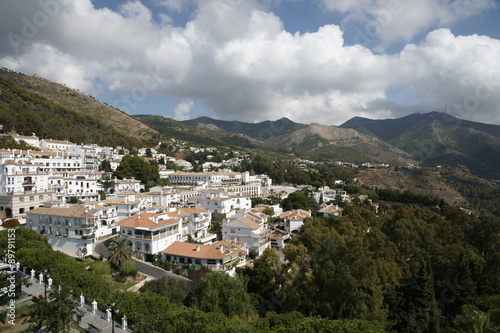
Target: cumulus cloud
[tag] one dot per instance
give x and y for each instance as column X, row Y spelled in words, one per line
column 181, row 110
column 238, row 61
column 390, row 21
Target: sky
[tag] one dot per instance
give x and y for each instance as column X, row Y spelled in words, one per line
column 319, row 61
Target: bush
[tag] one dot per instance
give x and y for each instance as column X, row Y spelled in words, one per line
column 100, row 268
column 128, row 268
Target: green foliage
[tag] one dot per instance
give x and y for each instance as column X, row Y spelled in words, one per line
column 408, row 197
column 8, row 142
column 120, row 250
column 101, row 268
column 128, row 268
column 56, row 313
column 73, row 200
column 136, row 167
column 471, row 319
column 175, row 290
column 280, row 171
column 218, row 292
column 269, row 211
column 300, row 200
column 28, row 113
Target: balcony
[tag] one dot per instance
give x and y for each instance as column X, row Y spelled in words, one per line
column 88, row 236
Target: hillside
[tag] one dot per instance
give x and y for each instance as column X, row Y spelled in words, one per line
column 330, row 142
column 74, row 101
column 438, row 138
column 427, row 181
column 260, row 131
column 316, row 142
column 204, row 135
column 27, row 112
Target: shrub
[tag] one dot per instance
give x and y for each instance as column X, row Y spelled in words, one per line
column 100, row 268
column 128, row 268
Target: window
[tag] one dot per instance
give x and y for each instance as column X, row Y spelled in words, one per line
column 233, row 230
column 138, row 246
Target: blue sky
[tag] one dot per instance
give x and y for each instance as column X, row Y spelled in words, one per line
column 322, row 61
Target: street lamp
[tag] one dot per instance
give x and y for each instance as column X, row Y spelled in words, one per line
column 46, row 277
column 114, row 310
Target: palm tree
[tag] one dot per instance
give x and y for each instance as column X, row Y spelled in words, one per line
column 120, row 250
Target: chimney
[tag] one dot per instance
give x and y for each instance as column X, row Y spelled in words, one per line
column 221, row 248
column 197, row 248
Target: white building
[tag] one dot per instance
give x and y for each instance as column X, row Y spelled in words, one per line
column 106, row 219
column 126, row 185
column 221, row 201
column 32, row 140
column 248, row 229
column 23, row 185
column 294, row 219
column 331, row 210
column 151, row 233
column 59, row 145
column 83, row 185
column 68, row 229
column 214, row 256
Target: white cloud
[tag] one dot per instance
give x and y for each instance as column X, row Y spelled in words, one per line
column 401, row 20
column 238, row 61
column 182, row 110
column 458, row 71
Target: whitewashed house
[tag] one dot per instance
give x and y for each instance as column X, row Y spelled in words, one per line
column 294, row 219
column 150, row 233
column 214, row 256
column 249, row 230
column 69, row 229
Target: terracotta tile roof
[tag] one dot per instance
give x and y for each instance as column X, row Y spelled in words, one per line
column 248, row 221
column 298, row 214
column 332, row 209
column 142, row 221
column 182, row 249
column 79, row 211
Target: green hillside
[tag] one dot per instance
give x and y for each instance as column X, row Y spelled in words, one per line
column 438, row 138
column 26, row 112
column 199, row 136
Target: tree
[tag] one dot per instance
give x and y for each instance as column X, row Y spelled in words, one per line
column 218, row 292
column 269, row 211
column 132, row 166
column 175, row 290
column 471, row 319
column 105, row 166
column 120, row 250
column 55, row 313
column 149, row 153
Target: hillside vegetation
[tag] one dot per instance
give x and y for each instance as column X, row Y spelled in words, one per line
column 27, row 112
column 75, row 101
column 438, row 138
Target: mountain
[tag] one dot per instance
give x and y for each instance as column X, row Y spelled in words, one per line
column 323, row 142
column 317, row 142
column 438, row 138
column 31, row 104
column 204, row 135
column 260, row 131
